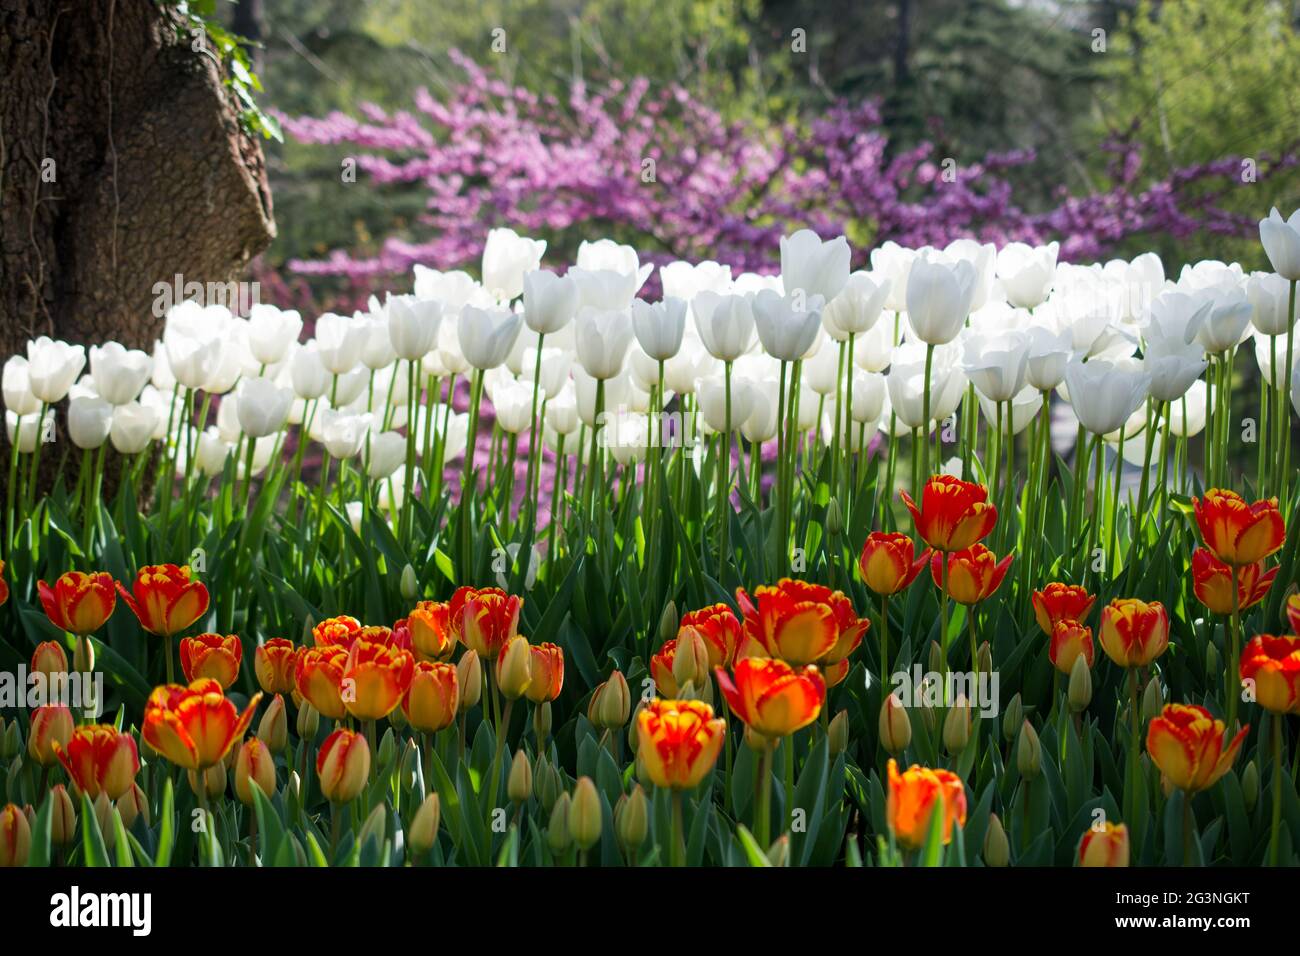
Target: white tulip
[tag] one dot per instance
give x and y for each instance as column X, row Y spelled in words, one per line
column 272, row 332
column 618, row 392
column 25, row 430
column 1049, row 354
column 1264, row 350
column 387, row 454
column 550, row 301
column 603, row 288
column 555, row 364
column 725, row 324
column 262, row 406
column 761, row 425
column 342, row 435
column 507, row 257
column 562, row 412
column 1270, row 299
column 162, row 377
column 659, row 326
column 119, row 373
column 52, row 367
column 1187, row 415
column 486, row 336
column 17, row 387
column 603, row 340
column 983, row 257
column 339, row 342
column 894, row 263
column 712, row 394
column 687, row 367
column 605, row 255
column 232, row 359
column 307, row 373
column 821, row 372
column 1104, row 394
column 787, row 325
column 938, row 299
column 89, row 421
column 1026, row 272
column 453, row 290
column 134, row 426
column 513, row 401
column 682, row 280
column 869, row 396
column 1281, row 239
column 1228, row 319
column 812, row 266
column 858, row 306
column 1025, row 404
column 873, row 351
column 997, row 365
column 412, row 325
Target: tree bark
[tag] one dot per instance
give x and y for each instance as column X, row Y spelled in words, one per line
column 122, row 164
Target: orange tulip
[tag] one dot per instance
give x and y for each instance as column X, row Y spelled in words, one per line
column 79, row 603
column 100, row 759
column 834, row 674
column 485, row 619
column 15, row 834
column 432, row 700
column 954, row 514
column 851, row 631
column 343, row 766
column 318, row 678
column 211, row 655
column 164, row 599
column 678, row 741
column 432, row 634
column 254, row 765
column 793, row 620
column 1238, row 532
column 49, row 659
column 1188, row 745
column 273, row 662
column 338, row 631
column 1069, row 640
column 1273, row 665
column 380, row 675
column 771, row 697
column 1212, row 582
column 973, row 573
column 1061, row 602
column 917, row 793
column 1134, row 633
column 1293, row 613
column 1106, row 845
column 889, row 563
column 548, row 673
column 719, row 627
column 51, row 725
column 194, row 727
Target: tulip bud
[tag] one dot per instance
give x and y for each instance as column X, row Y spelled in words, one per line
column 387, row 748
column 397, row 719
column 633, row 732
column 410, row 762
column 691, row 660
column 895, row 725
column 63, row 817
column 1029, row 753
column 997, row 848
column 376, row 826
column 254, row 765
column 469, row 676
column 308, row 721
column 50, row 725
column 542, row 721
column 756, row 741
column 343, row 766
column 549, row 786
column 13, row 740
column 424, row 828
column 214, row 780
column 929, row 716
column 293, row 785
column 104, row 817
column 133, row 804
column 1211, row 659
column 557, row 830
column 409, row 587
column 1250, row 786
column 1013, row 718
column 837, row 735
column 50, row 659
column 834, row 518
column 16, row 843
column 936, row 658
column 584, row 814
column 611, row 703
column 632, row 820
column 83, row 655
column 1080, row 694
column 778, row 854
column 957, row 726
column 273, row 729
column 984, row 658
column 668, row 622
column 515, row 668
column 1152, row 699
column 520, row 785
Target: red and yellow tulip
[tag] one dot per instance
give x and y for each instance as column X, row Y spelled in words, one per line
column 1069, row 640
column 1237, row 531
column 1190, row 747
column 791, row 620
column 165, row 599
column 343, row 766
column 1061, row 602
column 888, row 562
column 379, row 676
column 953, row 514
column 1212, row 582
column 1273, row 665
column 51, row 730
column 432, row 634
column 49, row 659
column 211, row 655
column 485, row 619
column 338, row 631
column 1133, row 632
column 196, row 726
column 100, row 759
column 432, row 699
column 547, row 668
column 974, row 573
column 79, row 603
column 318, row 678
column 773, row 698
column 273, row 662
column 1104, row 845
column 678, row 742
column 718, row 625
column 917, row 793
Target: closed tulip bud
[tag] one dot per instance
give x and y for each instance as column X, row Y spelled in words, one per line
column 83, row 655
column 997, row 849
column 1152, row 699
column 49, row 659
column 63, row 817
column 984, row 657
column 838, row 733
column 1013, row 718
column 387, row 748
column 834, row 518
column 469, row 676
column 611, row 703
column 410, row 588
column 632, row 819
column 343, row 766
column 254, row 765
column 936, row 658
column 11, row 741
column 929, row 716
column 51, row 725
column 514, row 668
column 1211, row 659
column 273, row 729
column 520, row 785
column 957, row 726
column 397, row 720
column 133, row 804
column 1080, row 695
column 585, row 815
column 668, row 622
column 691, row 660
column 1250, row 786
column 895, row 725
column 778, row 854
column 542, row 721
column 376, row 826
column 557, row 830
column 15, row 836
column 424, row 828
column 213, row 780
column 294, row 785
column 308, row 721
column 549, row 787
column 104, row 817
column 1029, row 753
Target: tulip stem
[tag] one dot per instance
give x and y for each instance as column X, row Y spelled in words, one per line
column 1283, row 413
column 1234, row 652
column 884, row 641
column 1135, row 722
column 724, row 479
column 679, row 831
column 1274, row 839
column 925, row 400
column 1188, row 829
column 763, row 811
column 789, row 782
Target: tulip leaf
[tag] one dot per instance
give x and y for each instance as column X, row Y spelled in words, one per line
column 92, row 840
column 166, row 826
column 39, row 854
column 754, row 854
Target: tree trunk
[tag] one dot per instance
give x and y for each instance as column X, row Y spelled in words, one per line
column 122, row 165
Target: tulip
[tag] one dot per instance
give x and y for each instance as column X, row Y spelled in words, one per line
column 339, row 631
column 273, row 729
column 412, row 326
column 164, row 599
column 339, row 342
column 997, row 365
column 469, row 675
column 53, row 367
column 99, row 759
column 547, row 667
column 15, row 836
column 997, row 848
column 856, row 308
column 90, row 421
column 1227, row 318
column 206, row 784
column 1190, row 747
column 307, row 373
column 550, row 301
column 272, row 332
column 939, row 296
column 1104, row 394
column 254, row 767
column 1239, row 533
column 133, row 428
column 432, row 634
column 131, row 805
column 1070, row 641
column 432, row 700
column 1292, row 612
column 18, row 397
column 915, row 795
column 376, row 676
column 519, row 785
column 584, row 816
column 725, row 324
column 1272, row 666
column 1104, row 845
column 487, row 335
column 812, row 267
column 274, row 663
column 78, row 603
column 659, row 327
column 424, row 827
column 603, row 337
column 1027, row 272
column 308, row 721
column 851, row 630
column 49, row 659
column 611, row 703
column 51, row 731
column 343, row 766
column 262, row 407
column 63, row 816
column 1061, row 602
column 957, row 726
column 679, row 742
column 514, row 668
column 793, row 620
column 973, row 574
column 953, row 515
column 1281, row 240
column 772, row 697
column 484, row 619
column 1212, row 583
column 786, row 325
column 894, row 725
column 211, row 655
column 720, row 629
column 1048, row 357
column 196, row 726
column 1133, row 632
